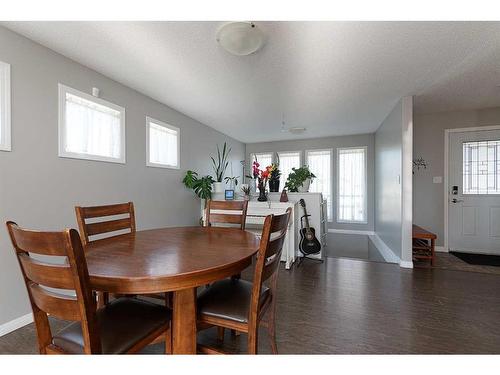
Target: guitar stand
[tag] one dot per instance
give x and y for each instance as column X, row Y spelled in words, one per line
column 301, row 259
column 304, row 256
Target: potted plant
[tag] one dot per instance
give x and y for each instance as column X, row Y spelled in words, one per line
column 232, row 181
column 299, row 180
column 202, row 187
column 245, row 188
column 220, row 167
column 274, row 178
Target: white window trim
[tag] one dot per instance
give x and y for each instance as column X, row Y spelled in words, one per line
column 252, row 158
column 306, row 152
column 5, row 142
column 63, row 89
column 161, row 123
column 337, row 193
column 301, row 156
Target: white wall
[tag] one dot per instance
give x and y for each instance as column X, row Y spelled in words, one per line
column 332, row 143
column 39, row 190
column 428, row 143
column 393, row 180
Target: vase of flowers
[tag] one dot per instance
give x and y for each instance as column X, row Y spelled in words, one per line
column 261, row 176
column 262, row 192
column 274, row 178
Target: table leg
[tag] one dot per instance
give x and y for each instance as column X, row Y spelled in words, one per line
column 184, row 322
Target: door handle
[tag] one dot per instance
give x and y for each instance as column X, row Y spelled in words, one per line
column 455, row 200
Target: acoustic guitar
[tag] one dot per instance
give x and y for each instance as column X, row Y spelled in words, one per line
column 308, row 244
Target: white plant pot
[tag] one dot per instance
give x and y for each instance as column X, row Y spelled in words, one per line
column 305, row 186
column 218, row 187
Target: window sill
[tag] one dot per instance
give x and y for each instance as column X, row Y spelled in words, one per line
column 72, row 155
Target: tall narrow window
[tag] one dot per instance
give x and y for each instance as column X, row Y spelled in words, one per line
column 90, row 128
column 320, row 164
column 264, row 159
column 163, row 142
column 288, row 160
column 4, row 106
column 351, row 188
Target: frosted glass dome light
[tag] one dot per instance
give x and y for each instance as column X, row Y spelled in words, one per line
column 240, row 38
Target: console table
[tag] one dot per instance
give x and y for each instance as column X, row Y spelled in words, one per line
column 256, row 215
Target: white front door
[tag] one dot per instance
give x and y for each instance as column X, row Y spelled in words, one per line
column 474, row 192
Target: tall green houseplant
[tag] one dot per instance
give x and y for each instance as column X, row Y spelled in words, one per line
column 220, row 165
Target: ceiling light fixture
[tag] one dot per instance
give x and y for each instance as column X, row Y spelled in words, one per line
column 240, row 38
column 294, row 130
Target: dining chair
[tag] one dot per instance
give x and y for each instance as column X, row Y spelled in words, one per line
column 62, row 290
column 235, row 212
column 92, row 222
column 242, row 305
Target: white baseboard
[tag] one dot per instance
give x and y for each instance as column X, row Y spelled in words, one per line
column 16, row 324
column 349, row 231
column 440, row 249
column 405, row 264
column 384, row 250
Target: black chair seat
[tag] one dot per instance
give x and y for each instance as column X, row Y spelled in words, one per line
column 122, row 323
column 229, row 299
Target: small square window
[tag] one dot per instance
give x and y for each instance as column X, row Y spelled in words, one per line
column 162, row 144
column 5, row 107
column 90, row 128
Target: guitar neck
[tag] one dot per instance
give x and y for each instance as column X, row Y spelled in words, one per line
column 306, row 218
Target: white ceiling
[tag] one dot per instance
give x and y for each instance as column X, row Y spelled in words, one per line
column 334, row 78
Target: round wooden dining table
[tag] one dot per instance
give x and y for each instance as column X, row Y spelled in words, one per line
column 170, row 259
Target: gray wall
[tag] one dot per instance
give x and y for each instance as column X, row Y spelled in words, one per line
column 325, row 143
column 39, row 190
column 388, row 171
column 428, row 143
column 393, row 180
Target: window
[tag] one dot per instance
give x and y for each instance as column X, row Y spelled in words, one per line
column 320, row 164
column 4, row 106
column 264, row 159
column 481, row 167
column 90, row 128
column 288, row 160
column 351, row 188
column 163, row 144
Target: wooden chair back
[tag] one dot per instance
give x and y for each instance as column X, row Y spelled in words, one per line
column 268, row 258
column 239, row 217
column 88, row 229
column 39, row 275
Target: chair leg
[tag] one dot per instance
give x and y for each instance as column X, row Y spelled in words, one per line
column 168, row 340
column 235, row 333
column 220, row 334
column 271, row 331
column 252, row 342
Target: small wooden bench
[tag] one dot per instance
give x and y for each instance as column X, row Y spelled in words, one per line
column 423, row 244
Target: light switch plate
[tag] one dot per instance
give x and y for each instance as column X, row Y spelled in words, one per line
column 437, row 180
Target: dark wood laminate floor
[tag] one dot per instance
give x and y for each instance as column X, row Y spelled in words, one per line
column 447, row 261
column 352, row 306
